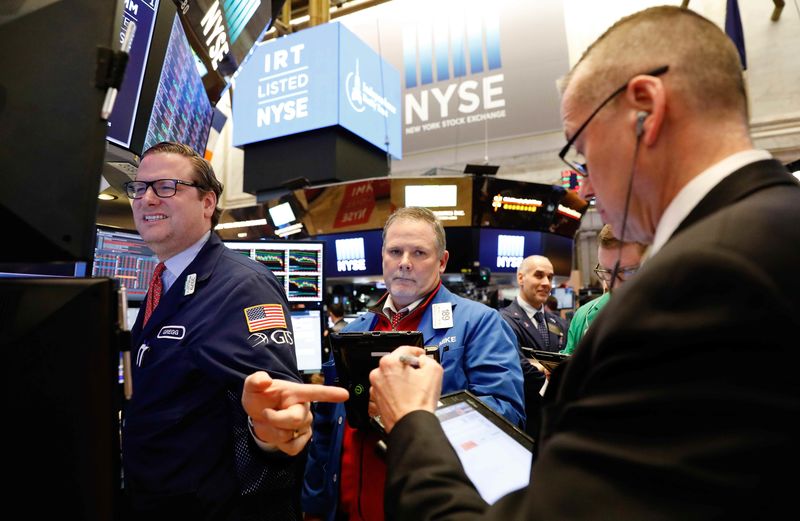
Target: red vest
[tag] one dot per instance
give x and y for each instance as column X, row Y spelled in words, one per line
column 363, row 474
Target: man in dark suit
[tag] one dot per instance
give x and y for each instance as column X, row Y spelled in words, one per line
column 535, row 325
column 536, row 328
column 658, row 415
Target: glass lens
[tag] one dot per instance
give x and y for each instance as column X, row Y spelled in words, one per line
column 576, row 160
column 135, row 189
column 165, row 187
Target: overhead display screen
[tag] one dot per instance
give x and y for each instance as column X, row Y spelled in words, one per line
column 120, row 122
column 181, row 110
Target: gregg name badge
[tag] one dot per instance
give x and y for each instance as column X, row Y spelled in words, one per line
column 442, row 315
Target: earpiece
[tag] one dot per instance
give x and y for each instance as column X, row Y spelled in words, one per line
column 640, row 117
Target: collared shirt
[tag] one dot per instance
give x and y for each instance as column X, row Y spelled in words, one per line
column 695, row 190
column 177, row 263
column 389, row 308
column 530, row 310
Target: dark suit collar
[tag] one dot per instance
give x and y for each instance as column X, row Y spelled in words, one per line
column 741, row 183
column 202, row 266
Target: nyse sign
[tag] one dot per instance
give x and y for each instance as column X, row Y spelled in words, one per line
column 282, row 95
column 317, row 78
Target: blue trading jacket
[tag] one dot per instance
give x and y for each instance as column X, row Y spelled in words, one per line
column 185, row 418
column 478, row 353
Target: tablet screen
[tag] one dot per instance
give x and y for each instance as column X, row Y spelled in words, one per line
column 496, row 461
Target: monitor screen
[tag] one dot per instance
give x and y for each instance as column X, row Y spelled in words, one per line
column 123, row 255
column 505, row 203
column 224, row 33
column 281, row 214
column 181, row 110
column 143, row 14
column 353, row 254
column 565, row 297
column 52, row 137
column 298, row 265
column 52, row 269
column 307, row 327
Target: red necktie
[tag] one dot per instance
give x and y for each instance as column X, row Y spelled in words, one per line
column 154, row 292
column 397, row 317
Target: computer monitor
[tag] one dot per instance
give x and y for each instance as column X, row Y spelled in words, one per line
column 123, row 255
column 143, row 15
column 61, row 331
column 565, row 297
column 52, row 138
column 298, row 265
column 181, row 110
column 307, row 327
column 34, row 269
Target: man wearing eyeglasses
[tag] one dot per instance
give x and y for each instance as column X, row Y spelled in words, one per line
column 617, row 262
column 655, row 416
column 211, row 318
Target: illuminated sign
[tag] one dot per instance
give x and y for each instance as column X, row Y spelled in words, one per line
column 431, row 196
column 510, row 251
column 350, row 255
column 516, row 204
column 288, row 84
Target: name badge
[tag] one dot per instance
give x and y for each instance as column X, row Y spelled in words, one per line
column 188, row 287
column 555, row 329
column 442, row 315
column 172, row 332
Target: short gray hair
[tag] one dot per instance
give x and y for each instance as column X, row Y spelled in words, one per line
column 418, row 213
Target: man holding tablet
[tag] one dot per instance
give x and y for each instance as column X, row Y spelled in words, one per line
column 653, row 418
column 476, row 347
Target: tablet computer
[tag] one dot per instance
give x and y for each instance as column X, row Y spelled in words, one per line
column 549, row 359
column 357, row 353
column 495, row 454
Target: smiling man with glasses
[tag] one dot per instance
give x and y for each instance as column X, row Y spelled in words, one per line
column 210, row 320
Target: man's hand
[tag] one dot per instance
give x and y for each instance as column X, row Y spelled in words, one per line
column 542, row 369
column 280, row 410
column 398, row 388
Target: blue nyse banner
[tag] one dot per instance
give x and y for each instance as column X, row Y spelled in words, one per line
column 369, row 94
column 313, row 79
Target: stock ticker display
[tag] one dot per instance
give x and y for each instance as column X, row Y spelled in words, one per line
column 181, row 110
column 296, row 265
column 124, row 256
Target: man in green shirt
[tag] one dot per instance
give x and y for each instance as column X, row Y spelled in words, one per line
column 609, row 251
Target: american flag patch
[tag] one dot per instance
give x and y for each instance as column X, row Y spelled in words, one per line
column 264, row 316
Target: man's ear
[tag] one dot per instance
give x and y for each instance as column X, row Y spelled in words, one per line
column 647, row 94
column 209, row 204
column 443, row 261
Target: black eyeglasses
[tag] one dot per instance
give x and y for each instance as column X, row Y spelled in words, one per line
column 163, row 188
column 622, row 273
column 570, row 154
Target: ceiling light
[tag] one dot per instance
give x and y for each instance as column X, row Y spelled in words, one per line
column 106, row 197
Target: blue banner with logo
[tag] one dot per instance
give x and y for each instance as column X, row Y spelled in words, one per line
column 317, row 78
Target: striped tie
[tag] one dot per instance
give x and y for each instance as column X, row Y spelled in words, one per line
column 154, row 292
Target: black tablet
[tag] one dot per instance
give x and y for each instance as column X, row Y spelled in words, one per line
column 549, row 359
column 358, row 353
column 495, row 454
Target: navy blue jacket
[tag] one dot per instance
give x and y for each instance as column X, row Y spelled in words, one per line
column 186, row 444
